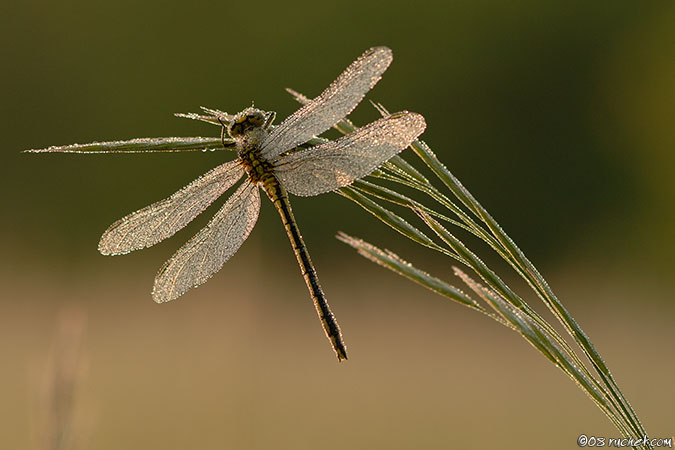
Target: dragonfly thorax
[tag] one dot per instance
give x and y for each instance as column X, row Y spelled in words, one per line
column 249, row 129
column 258, row 169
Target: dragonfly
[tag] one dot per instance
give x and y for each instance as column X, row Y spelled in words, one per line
column 282, row 159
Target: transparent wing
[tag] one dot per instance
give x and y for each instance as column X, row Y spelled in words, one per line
column 204, row 254
column 140, row 145
column 333, row 104
column 336, row 164
column 163, row 219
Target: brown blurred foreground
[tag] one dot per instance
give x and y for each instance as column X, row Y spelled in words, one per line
column 245, row 365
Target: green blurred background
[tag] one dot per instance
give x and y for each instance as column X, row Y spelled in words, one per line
column 557, row 115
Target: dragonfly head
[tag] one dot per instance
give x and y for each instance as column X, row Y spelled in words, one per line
column 249, row 122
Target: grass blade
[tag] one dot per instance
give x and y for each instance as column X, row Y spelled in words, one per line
column 141, row 145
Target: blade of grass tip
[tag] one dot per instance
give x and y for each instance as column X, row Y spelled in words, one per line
column 140, row 145
column 535, row 279
column 393, row 262
column 389, row 218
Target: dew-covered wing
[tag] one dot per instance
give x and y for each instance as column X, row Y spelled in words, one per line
column 204, row 254
column 336, row 164
column 163, row 219
column 332, row 105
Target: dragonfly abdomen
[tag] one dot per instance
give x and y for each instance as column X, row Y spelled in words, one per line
column 277, row 194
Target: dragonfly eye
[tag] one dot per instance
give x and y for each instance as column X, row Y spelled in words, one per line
column 245, row 121
column 256, row 118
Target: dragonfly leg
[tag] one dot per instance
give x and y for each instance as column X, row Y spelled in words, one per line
column 222, row 135
column 269, row 118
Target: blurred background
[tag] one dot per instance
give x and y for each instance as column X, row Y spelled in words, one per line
column 557, row 115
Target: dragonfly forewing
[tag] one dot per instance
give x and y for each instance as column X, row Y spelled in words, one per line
column 163, row 219
column 336, row 164
column 203, row 255
column 332, row 105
